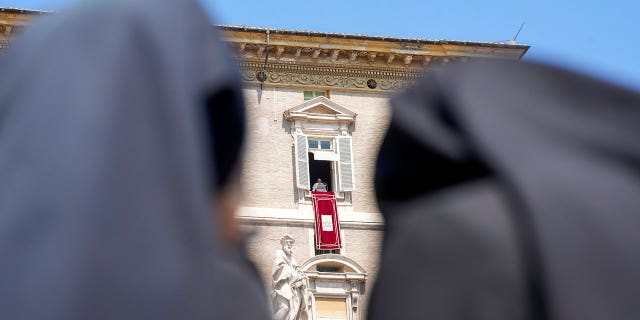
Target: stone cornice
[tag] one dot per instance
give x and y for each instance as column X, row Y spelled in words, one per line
column 305, row 217
column 12, row 20
column 295, row 46
column 400, row 45
column 348, row 62
column 331, row 77
column 325, row 60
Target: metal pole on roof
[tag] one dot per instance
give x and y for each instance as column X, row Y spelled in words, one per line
column 518, row 33
column 262, row 75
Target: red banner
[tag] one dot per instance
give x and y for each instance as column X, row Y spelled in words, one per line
column 327, row 223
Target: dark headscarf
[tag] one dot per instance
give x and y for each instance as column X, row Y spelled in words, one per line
column 108, row 182
column 510, row 191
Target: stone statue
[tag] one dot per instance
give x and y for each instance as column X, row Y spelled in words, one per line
column 290, row 296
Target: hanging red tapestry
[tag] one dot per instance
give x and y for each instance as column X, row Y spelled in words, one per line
column 327, row 223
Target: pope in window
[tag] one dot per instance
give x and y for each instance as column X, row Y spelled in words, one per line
column 319, row 186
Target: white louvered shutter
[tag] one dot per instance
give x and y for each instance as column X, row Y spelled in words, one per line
column 345, row 165
column 302, row 161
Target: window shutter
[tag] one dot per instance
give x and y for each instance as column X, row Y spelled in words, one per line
column 345, row 165
column 302, row 161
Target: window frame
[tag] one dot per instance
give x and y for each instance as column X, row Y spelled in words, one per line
column 332, row 125
column 319, row 139
column 315, row 94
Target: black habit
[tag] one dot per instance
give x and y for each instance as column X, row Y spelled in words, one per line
column 510, row 191
column 119, row 121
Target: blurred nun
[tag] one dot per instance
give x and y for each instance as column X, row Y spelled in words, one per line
column 121, row 125
column 510, row 191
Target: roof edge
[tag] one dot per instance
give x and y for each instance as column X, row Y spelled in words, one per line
column 327, row 34
column 369, row 37
column 23, row 11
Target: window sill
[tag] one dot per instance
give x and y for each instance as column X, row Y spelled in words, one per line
column 341, row 200
column 339, row 195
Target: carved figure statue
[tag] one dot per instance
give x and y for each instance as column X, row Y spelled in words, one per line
column 290, row 297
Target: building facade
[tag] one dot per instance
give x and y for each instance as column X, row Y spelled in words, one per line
column 317, row 107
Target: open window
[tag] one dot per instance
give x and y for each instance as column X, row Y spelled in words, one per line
column 321, row 157
column 323, row 146
column 328, row 159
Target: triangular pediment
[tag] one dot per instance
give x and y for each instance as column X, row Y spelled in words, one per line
column 321, row 107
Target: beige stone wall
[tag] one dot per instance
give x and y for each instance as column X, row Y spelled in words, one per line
column 371, row 124
column 270, row 186
column 268, row 174
column 363, row 245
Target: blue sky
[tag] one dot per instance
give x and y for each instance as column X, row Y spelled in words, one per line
column 595, row 37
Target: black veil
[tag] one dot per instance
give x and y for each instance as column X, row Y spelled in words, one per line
column 514, row 190
column 111, row 155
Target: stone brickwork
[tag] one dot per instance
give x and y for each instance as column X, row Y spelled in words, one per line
column 269, row 167
column 268, row 174
column 269, row 179
column 270, row 183
column 371, row 124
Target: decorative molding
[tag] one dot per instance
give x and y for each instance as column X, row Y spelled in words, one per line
column 330, row 81
column 336, row 112
column 349, row 285
column 292, row 53
column 361, row 71
column 260, row 51
column 334, row 54
column 275, row 216
column 372, row 57
column 334, row 259
column 320, row 116
column 390, row 58
column 407, row 59
column 353, row 55
column 426, row 61
column 330, row 77
column 279, row 51
column 326, row 81
column 316, row 54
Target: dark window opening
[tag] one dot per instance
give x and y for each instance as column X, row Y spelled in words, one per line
column 319, row 252
column 320, row 169
column 321, row 268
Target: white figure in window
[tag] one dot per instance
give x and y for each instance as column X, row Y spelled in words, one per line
column 319, row 186
column 290, row 296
